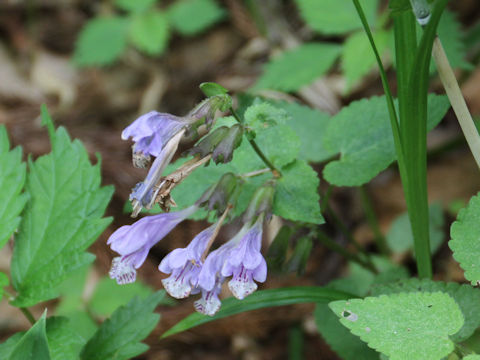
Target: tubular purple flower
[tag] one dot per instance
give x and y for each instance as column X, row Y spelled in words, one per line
column 246, row 263
column 209, row 303
column 152, row 131
column 184, row 264
column 133, row 242
column 143, row 194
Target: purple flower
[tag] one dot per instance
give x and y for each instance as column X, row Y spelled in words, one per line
column 143, row 194
column 246, row 263
column 151, row 131
column 209, row 303
column 133, row 242
column 184, row 264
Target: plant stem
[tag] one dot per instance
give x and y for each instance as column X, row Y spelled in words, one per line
column 215, row 232
column 456, row 99
column 332, row 245
column 261, row 155
column 255, row 173
column 28, row 315
column 373, row 221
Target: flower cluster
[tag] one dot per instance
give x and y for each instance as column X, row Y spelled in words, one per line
column 193, row 269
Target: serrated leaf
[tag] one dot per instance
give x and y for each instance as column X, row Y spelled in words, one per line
column 298, row 67
column 403, row 326
column 108, row 296
column 260, row 300
column 33, row 344
column 332, row 17
column 309, row 124
column 465, row 242
column 296, row 195
column 63, row 341
column 452, row 37
column 190, row 17
column 134, row 5
column 340, row 340
column 466, row 297
column 361, row 132
column 101, row 41
column 400, row 238
column 357, row 57
column 119, row 337
column 12, row 180
column 62, row 219
column 149, row 32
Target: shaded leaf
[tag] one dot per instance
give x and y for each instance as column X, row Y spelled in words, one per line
column 119, row 337
column 298, row 67
column 149, row 32
column 190, row 17
column 135, row 5
column 63, row 341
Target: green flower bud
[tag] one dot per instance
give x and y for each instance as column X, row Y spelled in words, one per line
column 223, row 152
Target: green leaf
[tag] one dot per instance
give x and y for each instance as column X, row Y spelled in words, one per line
column 296, row 195
column 465, row 242
column 108, row 296
column 403, row 326
column 259, row 300
column 332, row 17
column 450, row 33
column 12, row 180
column 466, row 297
column 33, row 344
column 263, row 115
column 63, row 341
column 361, row 132
column 400, row 237
column 135, row 5
column 62, row 219
column 472, row 357
column 309, row 124
column 212, row 89
column 101, row 41
column 340, row 340
column 190, row 17
column 357, row 57
column 149, row 32
column 119, row 337
column 298, row 67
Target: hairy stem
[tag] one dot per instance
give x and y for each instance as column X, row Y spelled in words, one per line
column 456, row 99
column 261, row 155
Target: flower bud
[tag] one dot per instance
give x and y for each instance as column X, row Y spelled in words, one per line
column 219, row 196
column 224, row 150
column 207, row 108
column 261, row 203
column 209, row 142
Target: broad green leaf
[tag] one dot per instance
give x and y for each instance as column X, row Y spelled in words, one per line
column 466, row 297
column 340, row 340
column 190, row 17
column 135, row 5
column 33, row 344
column 403, row 326
column 212, row 89
column 101, row 41
column 3, row 282
column 108, row 296
column 296, row 195
column 7, row 347
column 259, row 300
column 361, row 133
column 119, row 337
column 149, row 32
column 472, row 357
column 400, row 238
column 62, row 219
column 332, row 17
column 465, row 242
column 262, row 115
column 12, row 179
column 298, row 67
column 63, row 341
column 80, row 322
column 358, row 58
column 309, row 124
